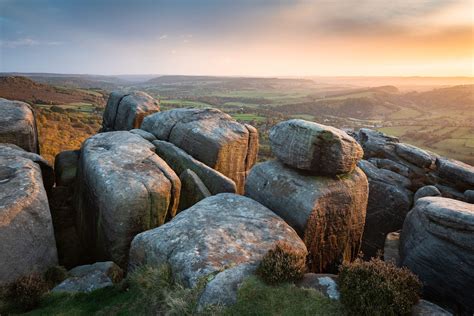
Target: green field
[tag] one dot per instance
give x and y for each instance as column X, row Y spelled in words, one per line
column 248, row 117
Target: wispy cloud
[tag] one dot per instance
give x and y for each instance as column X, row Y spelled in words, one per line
column 162, row 37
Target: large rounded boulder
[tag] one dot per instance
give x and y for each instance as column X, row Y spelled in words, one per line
column 27, row 241
column 437, row 244
column 126, row 110
column 18, row 125
column 225, row 234
column 328, row 213
column 322, row 149
column 211, row 137
column 123, row 188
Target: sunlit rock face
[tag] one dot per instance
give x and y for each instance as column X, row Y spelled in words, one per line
column 27, row 241
column 126, row 110
column 324, row 150
column 209, row 136
column 437, row 244
column 18, row 125
column 328, row 213
column 123, row 188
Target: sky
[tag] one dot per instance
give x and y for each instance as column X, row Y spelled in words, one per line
column 239, row 37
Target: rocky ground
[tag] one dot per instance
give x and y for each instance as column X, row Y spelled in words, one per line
column 181, row 188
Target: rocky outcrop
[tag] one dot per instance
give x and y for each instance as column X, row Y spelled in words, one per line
column 436, row 243
column 193, row 189
column 180, row 161
column 389, row 202
column 47, row 173
column 18, row 125
column 304, row 145
column 219, row 233
column 125, row 111
column 210, row 136
column 426, row 308
column 391, row 249
column 91, row 277
column 124, row 188
column 328, row 213
column 469, row 196
column 456, row 172
column 27, row 241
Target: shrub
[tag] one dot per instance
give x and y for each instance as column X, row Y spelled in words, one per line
column 376, row 287
column 281, row 264
column 25, row 293
column 55, row 275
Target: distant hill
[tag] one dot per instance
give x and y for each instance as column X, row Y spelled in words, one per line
column 461, row 97
column 27, row 90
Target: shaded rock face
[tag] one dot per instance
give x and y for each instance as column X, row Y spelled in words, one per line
column 220, row 232
column 461, row 174
column 304, row 145
column 328, row 213
column 391, row 250
column 18, row 125
column 26, row 231
column 193, row 190
column 469, row 196
column 47, row 173
column 209, row 136
column 428, row 190
column 65, row 167
column 125, row 111
column 124, row 188
column 91, row 277
column 425, row 308
column 436, row 243
column 180, row 161
column 389, row 203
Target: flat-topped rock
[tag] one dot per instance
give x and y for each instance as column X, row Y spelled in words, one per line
column 376, row 144
column 311, row 146
column 221, row 232
column 123, row 188
column 328, row 213
column 436, row 243
column 27, row 241
column 209, row 136
column 90, row 277
column 18, row 125
column 415, row 155
column 126, row 110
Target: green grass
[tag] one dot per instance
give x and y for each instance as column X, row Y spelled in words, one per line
column 185, row 103
column 248, row 117
column 151, row 291
column 257, row 298
column 405, row 113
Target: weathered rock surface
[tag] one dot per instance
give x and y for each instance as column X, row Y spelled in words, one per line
column 209, row 136
column 425, row 308
column 65, row 167
column 326, row 284
column 124, row 188
column 428, row 190
column 460, row 174
column 26, row 231
column 391, row 250
column 18, row 125
column 389, row 202
column 193, row 189
column 125, row 111
column 47, row 173
column 322, row 149
column 376, row 144
column 91, row 277
column 180, row 161
column 328, row 213
column 415, row 155
column 437, row 244
column 220, row 232
column 144, row 134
